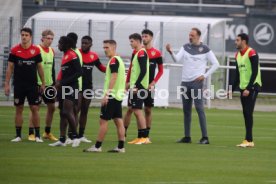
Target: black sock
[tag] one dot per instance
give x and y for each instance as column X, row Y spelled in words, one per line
column 144, row 133
column 148, row 131
column 31, row 130
column 70, row 135
column 121, row 144
column 62, row 139
column 18, row 131
column 98, row 144
column 126, row 127
column 47, row 129
column 74, row 136
column 140, row 133
column 37, row 133
column 81, row 132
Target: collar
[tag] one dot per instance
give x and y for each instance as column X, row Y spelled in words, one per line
column 244, row 51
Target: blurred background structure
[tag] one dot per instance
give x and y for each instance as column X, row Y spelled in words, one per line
column 170, row 20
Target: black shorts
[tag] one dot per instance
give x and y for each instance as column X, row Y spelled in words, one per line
column 48, row 99
column 32, row 94
column 112, row 110
column 136, row 100
column 149, row 101
column 72, row 97
column 88, row 93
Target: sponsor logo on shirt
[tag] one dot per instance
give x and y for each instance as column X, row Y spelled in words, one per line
column 48, row 63
column 64, row 67
column 28, row 62
column 88, row 67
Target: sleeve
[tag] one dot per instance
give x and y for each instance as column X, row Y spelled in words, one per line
column 100, row 66
column 142, row 60
column 160, row 69
column 128, row 73
column 254, row 60
column 54, row 72
column 59, row 77
column 75, row 63
column 159, row 60
column 12, row 58
column 38, row 58
column 237, row 78
column 215, row 64
column 114, row 66
column 177, row 57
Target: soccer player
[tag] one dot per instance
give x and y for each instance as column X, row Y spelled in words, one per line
column 74, row 38
column 138, row 84
column 48, row 63
column 195, row 56
column 248, row 77
column 67, row 77
column 90, row 59
column 24, row 63
column 155, row 58
column 114, row 88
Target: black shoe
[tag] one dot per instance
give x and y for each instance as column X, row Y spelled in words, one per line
column 185, row 140
column 204, row 140
column 117, row 150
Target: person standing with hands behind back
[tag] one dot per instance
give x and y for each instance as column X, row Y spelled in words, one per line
column 48, row 63
column 248, row 77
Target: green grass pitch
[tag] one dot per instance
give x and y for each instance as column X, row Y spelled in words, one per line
column 163, row 162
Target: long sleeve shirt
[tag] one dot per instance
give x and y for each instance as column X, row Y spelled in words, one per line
column 195, row 59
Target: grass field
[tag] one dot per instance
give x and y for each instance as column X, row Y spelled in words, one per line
column 162, row 162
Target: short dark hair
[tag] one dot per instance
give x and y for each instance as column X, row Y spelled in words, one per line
column 244, row 36
column 27, row 29
column 66, row 41
column 74, row 38
column 87, row 38
column 197, row 31
column 135, row 36
column 112, row 42
column 147, row 31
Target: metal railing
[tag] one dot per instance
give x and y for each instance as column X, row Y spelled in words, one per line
column 154, row 3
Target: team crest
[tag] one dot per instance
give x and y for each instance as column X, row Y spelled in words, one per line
column 200, row 49
column 92, row 56
column 66, row 57
column 16, row 100
column 32, row 51
column 153, row 53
